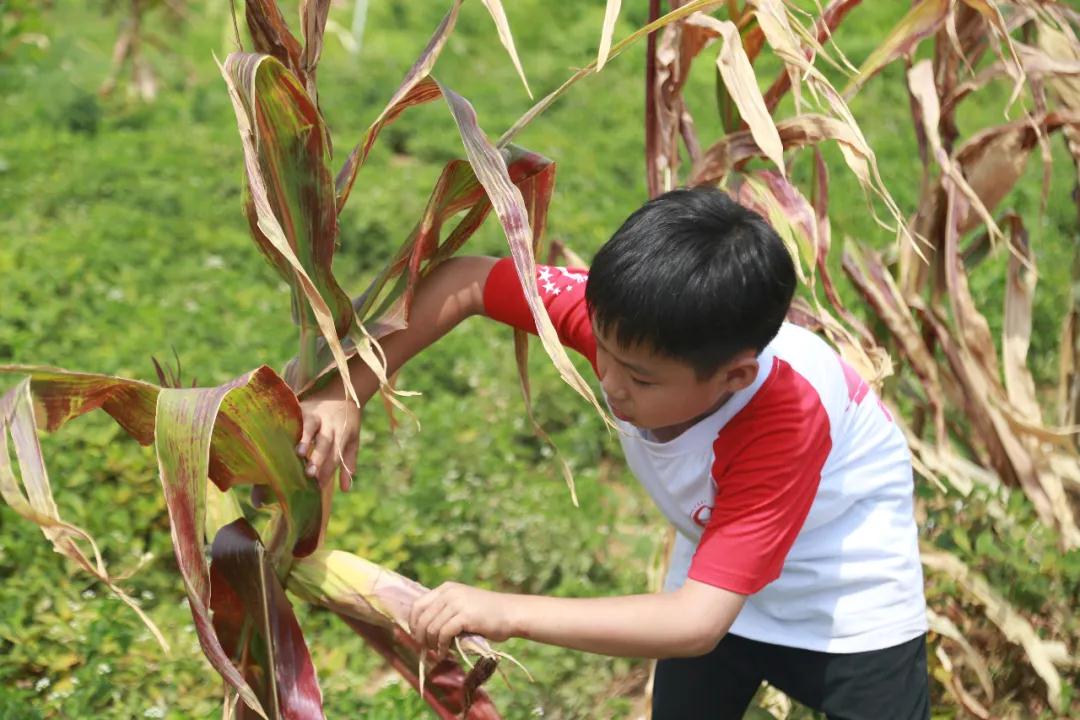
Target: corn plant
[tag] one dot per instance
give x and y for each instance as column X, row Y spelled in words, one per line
column 237, row 555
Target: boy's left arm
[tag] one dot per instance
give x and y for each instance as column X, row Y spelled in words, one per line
column 687, row 622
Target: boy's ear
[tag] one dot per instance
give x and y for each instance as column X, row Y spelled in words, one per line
column 740, row 372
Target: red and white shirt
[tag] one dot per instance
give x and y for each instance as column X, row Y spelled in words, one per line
column 796, row 492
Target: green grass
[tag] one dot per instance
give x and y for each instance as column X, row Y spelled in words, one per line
column 121, row 237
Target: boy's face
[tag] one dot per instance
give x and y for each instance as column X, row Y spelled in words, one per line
column 657, row 392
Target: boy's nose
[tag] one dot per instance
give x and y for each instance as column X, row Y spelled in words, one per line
column 612, row 388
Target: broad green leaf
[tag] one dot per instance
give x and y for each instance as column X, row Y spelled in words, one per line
column 256, row 431
column 258, row 628
column 185, row 423
column 299, row 220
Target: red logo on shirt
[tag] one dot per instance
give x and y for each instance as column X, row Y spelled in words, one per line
column 701, row 515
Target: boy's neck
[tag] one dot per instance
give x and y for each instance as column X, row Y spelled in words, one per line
column 670, row 432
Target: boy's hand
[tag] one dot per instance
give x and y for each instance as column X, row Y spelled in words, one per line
column 452, row 608
column 331, row 436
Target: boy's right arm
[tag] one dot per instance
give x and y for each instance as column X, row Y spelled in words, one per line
column 452, row 292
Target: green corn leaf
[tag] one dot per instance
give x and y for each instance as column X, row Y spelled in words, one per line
column 257, row 427
column 185, row 423
column 258, row 628
column 292, row 208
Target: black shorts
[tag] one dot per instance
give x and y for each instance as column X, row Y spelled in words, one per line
column 888, row 684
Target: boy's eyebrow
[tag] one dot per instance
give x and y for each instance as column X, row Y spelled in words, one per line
column 636, row 368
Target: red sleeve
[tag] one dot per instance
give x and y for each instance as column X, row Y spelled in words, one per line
column 767, row 466
column 563, row 293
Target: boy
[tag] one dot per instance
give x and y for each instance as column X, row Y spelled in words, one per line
column 796, row 558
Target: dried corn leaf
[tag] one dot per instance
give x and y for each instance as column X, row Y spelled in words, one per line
column 1011, row 623
column 947, row 628
column 738, row 75
column 611, row 14
column 923, row 19
column 502, row 25
column 34, row 501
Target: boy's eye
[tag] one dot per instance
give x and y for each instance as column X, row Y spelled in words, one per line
column 642, row 383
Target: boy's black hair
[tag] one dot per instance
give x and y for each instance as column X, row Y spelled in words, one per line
column 692, row 275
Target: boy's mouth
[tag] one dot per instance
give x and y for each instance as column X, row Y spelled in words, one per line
column 617, row 411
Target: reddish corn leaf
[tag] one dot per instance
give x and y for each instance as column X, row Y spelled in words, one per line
column 253, row 443
column 292, row 157
column 791, row 215
column 413, row 90
column 376, row 602
column 446, row 687
column 185, row 422
column 385, row 310
column 271, row 35
column 296, row 226
column 257, row 626
column 60, row 396
column 922, row 20
column 313, row 14
column 505, row 197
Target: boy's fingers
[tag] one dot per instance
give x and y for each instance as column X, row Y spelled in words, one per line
column 453, row 627
column 311, row 427
column 423, row 625
column 319, row 453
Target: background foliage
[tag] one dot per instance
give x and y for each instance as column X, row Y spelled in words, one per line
column 121, row 236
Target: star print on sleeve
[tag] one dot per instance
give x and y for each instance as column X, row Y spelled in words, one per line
column 562, row 292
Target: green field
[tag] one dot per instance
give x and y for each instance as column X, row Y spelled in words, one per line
column 122, row 237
